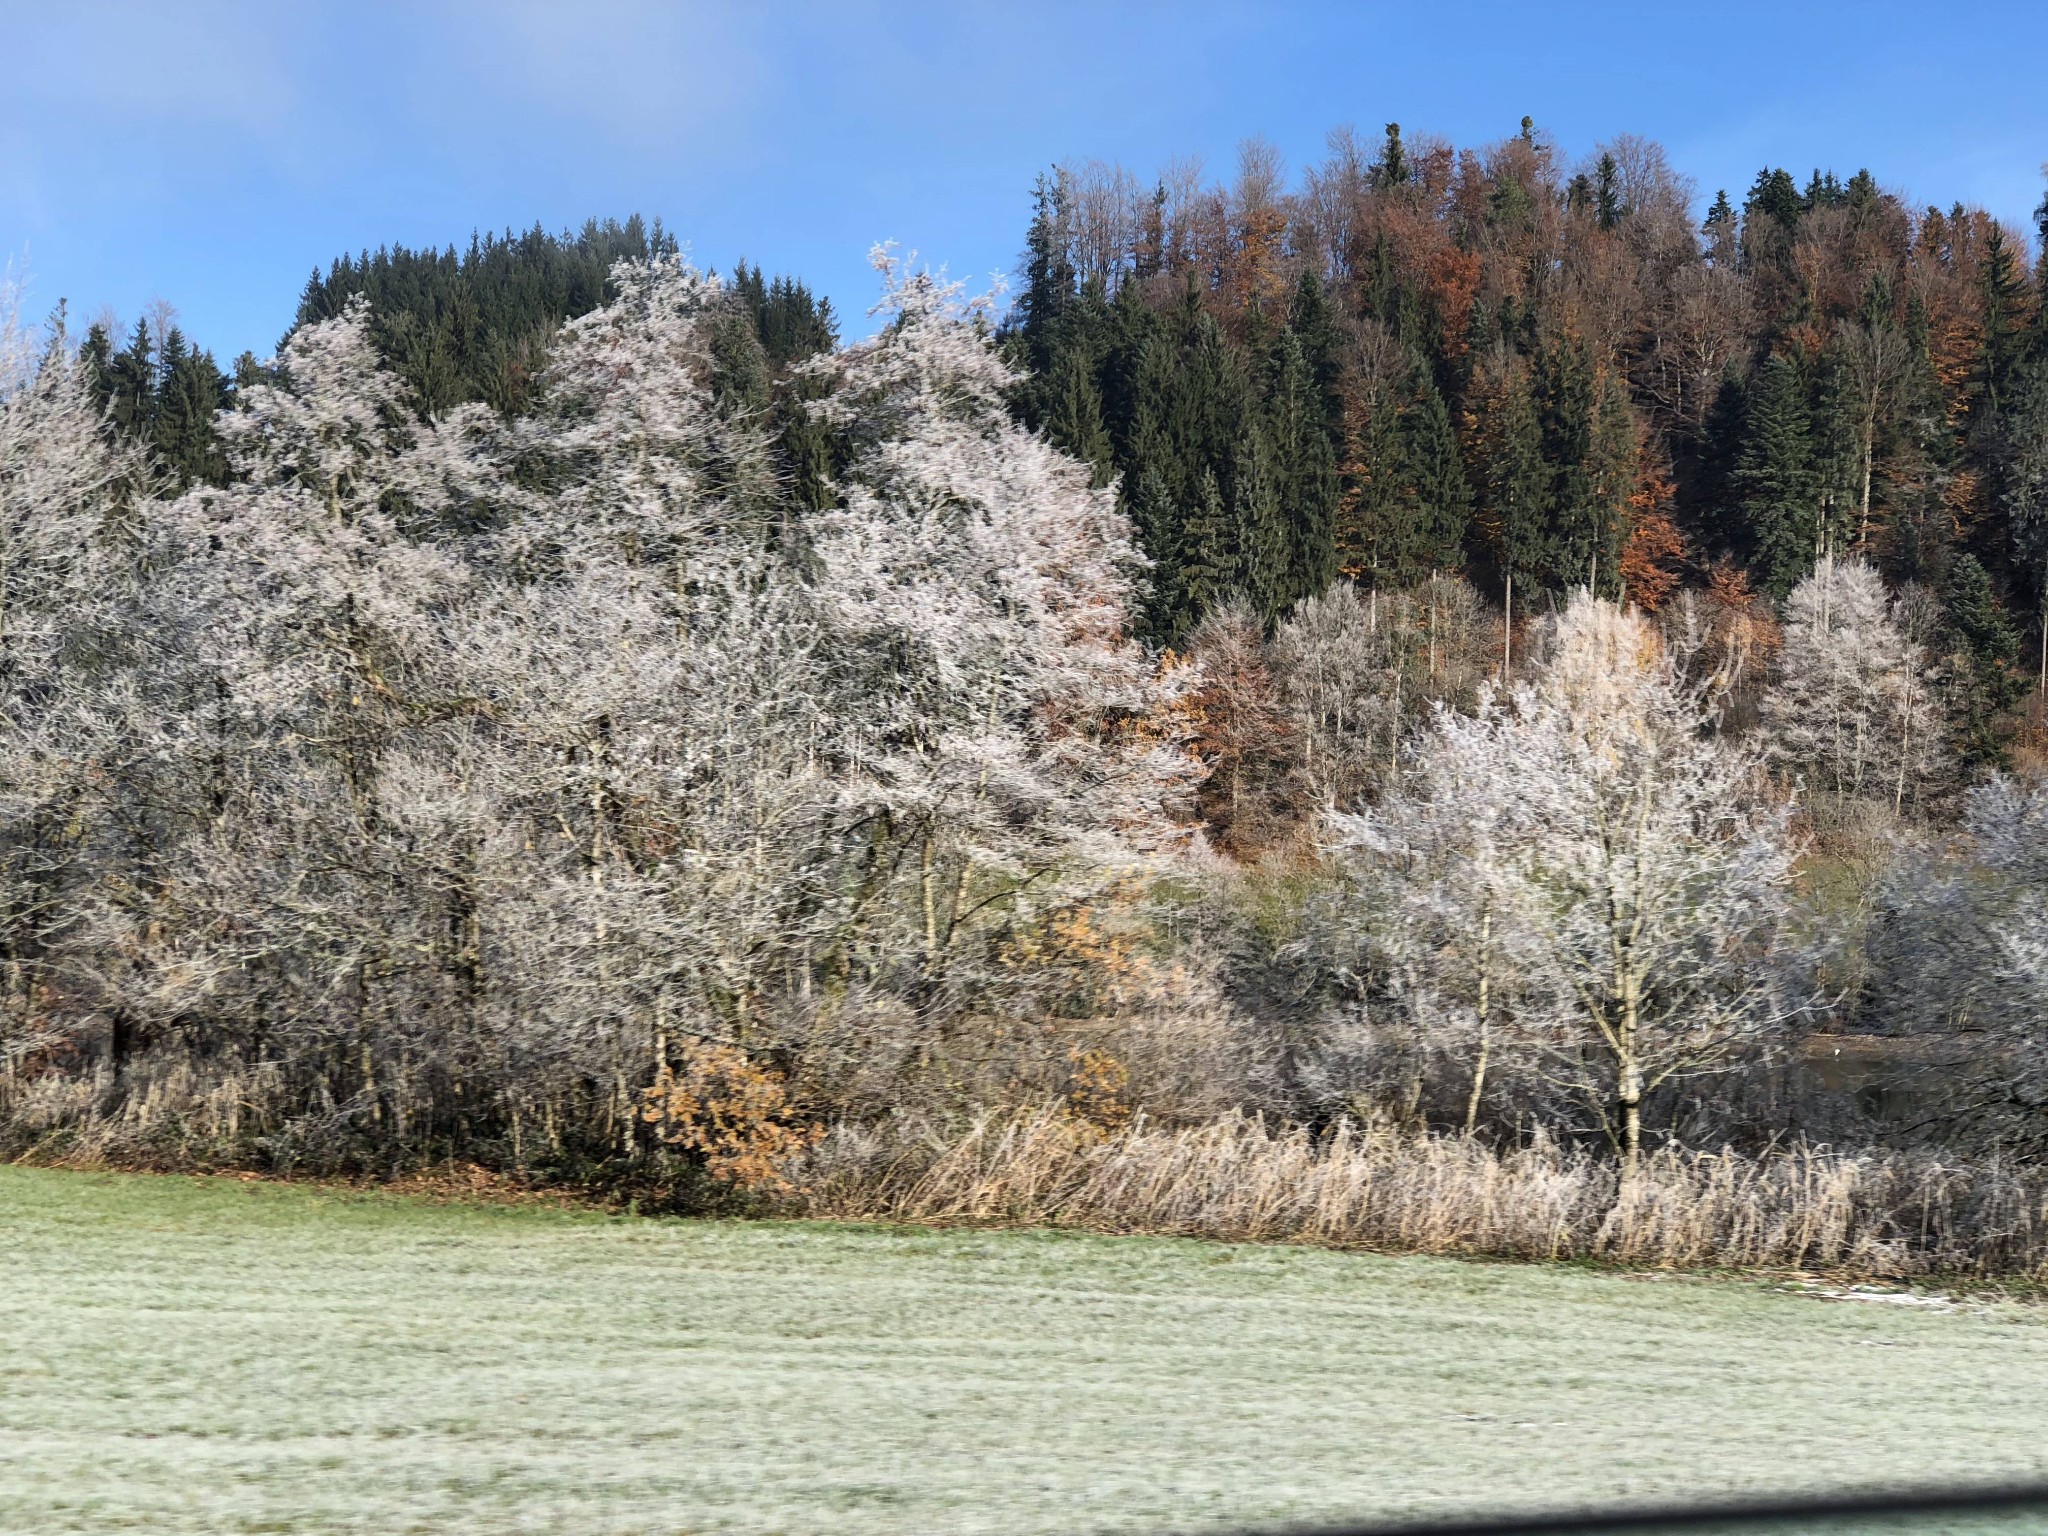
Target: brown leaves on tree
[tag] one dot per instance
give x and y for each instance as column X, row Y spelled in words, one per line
column 729, row 1111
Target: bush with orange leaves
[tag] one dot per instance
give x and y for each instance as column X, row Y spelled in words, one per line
column 731, row 1113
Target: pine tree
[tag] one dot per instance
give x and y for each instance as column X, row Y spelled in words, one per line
column 475, row 325
column 1154, row 517
column 1049, row 278
column 1837, row 439
column 1612, row 466
column 1439, row 501
column 1607, row 204
column 2003, row 293
column 1713, row 502
column 96, row 357
column 1307, row 471
column 740, row 383
column 1774, row 479
column 1314, row 324
column 1571, row 545
column 1266, row 566
column 1391, row 170
column 1211, row 568
column 1073, row 415
column 132, row 385
column 191, row 393
column 1132, row 325
column 1517, row 486
column 1924, row 461
column 1989, row 648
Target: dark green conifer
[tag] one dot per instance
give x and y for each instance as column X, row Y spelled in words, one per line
column 1209, row 565
column 1516, row 487
column 1307, row 470
column 1391, row 170
column 1607, row 204
column 1439, row 500
column 1265, row 563
column 1774, row 479
column 1989, row 646
column 132, row 385
column 1073, row 416
column 191, row 392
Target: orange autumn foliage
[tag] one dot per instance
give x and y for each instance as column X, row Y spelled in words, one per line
column 731, row 1112
column 1652, row 560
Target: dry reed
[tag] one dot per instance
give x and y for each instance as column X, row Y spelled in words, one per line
column 1883, row 1214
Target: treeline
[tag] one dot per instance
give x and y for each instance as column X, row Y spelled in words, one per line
column 161, row 393
column 457, row 328
column 476, row 325
column 1424, row 359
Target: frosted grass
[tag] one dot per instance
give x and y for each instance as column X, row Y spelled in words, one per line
column 187, row 1355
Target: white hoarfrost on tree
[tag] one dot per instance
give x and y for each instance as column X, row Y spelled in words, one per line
column 1960, row 955
column 66, row 551
column 1580, row 875
column 1853, row 710
column 976, row 587
column 476, row 771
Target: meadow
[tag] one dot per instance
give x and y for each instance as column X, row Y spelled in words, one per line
column 185, row 1354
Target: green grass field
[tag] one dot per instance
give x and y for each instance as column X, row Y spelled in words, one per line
column 209, row 1355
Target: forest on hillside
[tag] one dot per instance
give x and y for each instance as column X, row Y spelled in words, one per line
column 1458, row 659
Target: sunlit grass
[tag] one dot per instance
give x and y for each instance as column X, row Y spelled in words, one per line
column 210, row 1355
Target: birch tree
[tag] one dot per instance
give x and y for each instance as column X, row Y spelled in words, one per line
column 1601, row 835
column 1854, row 710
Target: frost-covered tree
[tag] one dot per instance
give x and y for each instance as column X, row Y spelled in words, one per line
column 1960, row 951
column 976, row 587
column 1854, row 710
column 467, row 777
column 1360, row 672
column 66, row 552
column 1593, row 828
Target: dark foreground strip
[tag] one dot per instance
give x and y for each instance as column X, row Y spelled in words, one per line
column 1824, row 1512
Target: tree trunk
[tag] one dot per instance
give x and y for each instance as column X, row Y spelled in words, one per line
column 1485, row 1022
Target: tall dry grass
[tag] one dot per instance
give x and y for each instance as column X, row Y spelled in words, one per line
column 1878, row 1213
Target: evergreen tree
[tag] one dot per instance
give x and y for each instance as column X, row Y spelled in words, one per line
column 1307, row 470
column 1988, row 648
column 1149, row 504
column 1132, row 325
column 790, row 322
column 1439, row 501
column 1049, row 279
column 1517, row 487
column 1391, row 170
column 2003, row 288
column 96, row 357
column 1210, row 567
column 1314, row 324
column 1607, row 204
column 1610, row 480
column 1571, row 544
column 1774, row 479
column 1073, row 415
column 1923, row 463
column 740, row 383
column 131, row 386
column 476, row 326
column 1775, row 198
column 1837, row 442
column 191, row 392
column 1265, row 564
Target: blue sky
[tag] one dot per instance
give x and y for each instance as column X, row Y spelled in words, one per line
column 212, row 153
